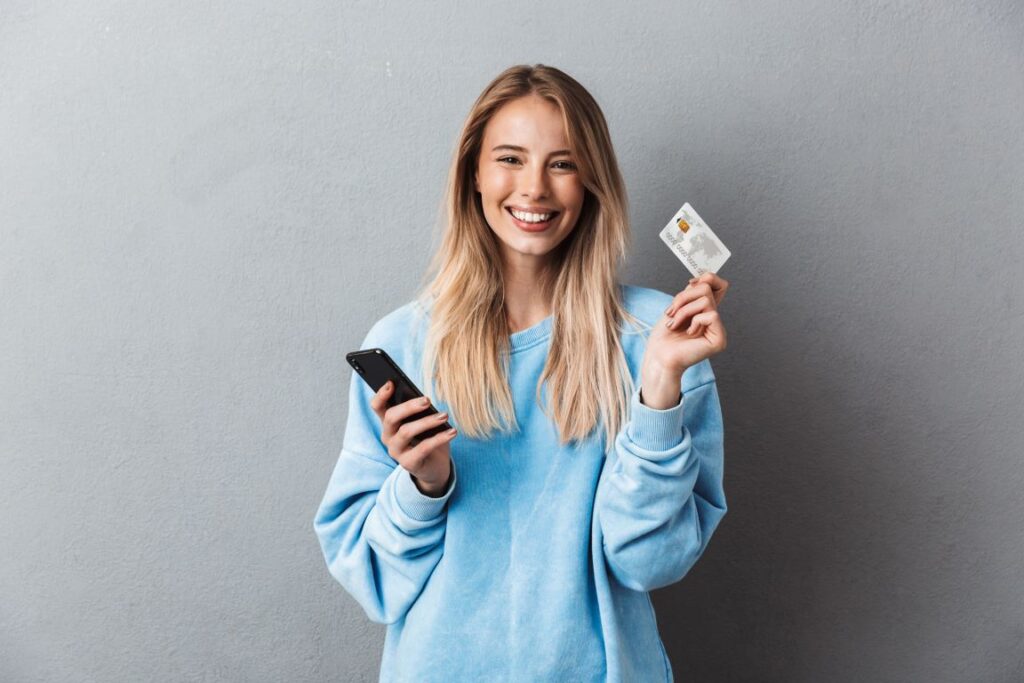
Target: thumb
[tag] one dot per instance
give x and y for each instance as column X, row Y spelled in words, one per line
column 379, row 402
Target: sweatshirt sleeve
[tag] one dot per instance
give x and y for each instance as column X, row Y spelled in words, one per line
column 662, row 497
column 380, row 536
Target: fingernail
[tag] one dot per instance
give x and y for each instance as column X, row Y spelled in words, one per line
column 387, row 385
column 668, row 310
column 424, row 401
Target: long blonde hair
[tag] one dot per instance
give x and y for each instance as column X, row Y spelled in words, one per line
column 467, row 348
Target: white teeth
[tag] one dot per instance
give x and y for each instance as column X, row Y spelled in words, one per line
column 531, row 217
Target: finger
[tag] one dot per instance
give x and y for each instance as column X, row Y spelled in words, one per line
column 689, row 294
column 715, row 331
column 680, row 317
column 408, row 432
column 395, row 415
column 413, row 458
column 719, row 287
column 379, row 402
column 718, row 284
column 700, row 320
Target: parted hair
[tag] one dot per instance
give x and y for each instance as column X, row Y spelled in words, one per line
column 466, row 352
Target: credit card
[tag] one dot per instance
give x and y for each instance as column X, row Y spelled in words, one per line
column 696, row 245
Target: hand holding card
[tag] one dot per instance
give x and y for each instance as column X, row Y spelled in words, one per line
column 691, row 329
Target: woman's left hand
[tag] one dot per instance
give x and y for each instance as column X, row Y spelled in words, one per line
column 690, row 330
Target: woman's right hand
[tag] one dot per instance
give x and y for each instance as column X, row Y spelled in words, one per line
column 429, row 461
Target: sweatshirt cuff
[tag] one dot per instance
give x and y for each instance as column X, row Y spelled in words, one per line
column 417, row 505
column 652, row 429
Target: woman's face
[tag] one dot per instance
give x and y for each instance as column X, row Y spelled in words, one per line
column 527, row 179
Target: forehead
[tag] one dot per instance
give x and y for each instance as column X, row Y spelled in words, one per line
column 526, row 121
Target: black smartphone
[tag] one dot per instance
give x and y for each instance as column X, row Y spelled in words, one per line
column 376, row 367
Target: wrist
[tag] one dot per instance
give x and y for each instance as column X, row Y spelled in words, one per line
column 432, row 491
column 659, row 388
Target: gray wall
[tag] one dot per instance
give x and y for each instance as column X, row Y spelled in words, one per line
column 202, row 209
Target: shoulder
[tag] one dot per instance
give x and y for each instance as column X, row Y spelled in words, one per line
column 645, row 303
column 648, row 305
column 398, row 331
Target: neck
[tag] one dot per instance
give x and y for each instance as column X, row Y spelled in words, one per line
column 526, row 303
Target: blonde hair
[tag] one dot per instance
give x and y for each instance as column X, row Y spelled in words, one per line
column 467, row 348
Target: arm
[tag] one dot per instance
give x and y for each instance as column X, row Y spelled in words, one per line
column 380, row 536
column 661, row 497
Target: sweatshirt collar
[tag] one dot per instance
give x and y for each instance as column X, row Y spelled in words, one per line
column 524, row 339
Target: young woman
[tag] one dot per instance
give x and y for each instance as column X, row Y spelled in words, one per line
column 524, row 548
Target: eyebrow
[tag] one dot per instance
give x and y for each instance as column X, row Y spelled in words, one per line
column 517, row 148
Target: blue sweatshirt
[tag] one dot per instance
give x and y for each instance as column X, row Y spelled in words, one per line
column 536, row 563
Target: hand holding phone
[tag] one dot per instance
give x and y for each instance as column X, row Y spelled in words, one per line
column 427, row 459
column 415, row 434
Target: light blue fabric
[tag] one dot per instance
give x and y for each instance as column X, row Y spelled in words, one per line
column 535, row 564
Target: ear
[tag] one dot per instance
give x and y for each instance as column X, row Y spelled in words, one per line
column 476, row 181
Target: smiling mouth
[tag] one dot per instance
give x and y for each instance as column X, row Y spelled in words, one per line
column 532, row 219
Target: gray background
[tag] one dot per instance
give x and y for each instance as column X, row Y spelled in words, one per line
column 202, row 208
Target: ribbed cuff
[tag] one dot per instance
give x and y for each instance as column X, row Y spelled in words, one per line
column 652, row 429
column 418, row 505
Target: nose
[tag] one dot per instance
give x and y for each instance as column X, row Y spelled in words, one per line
column 534, row 182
